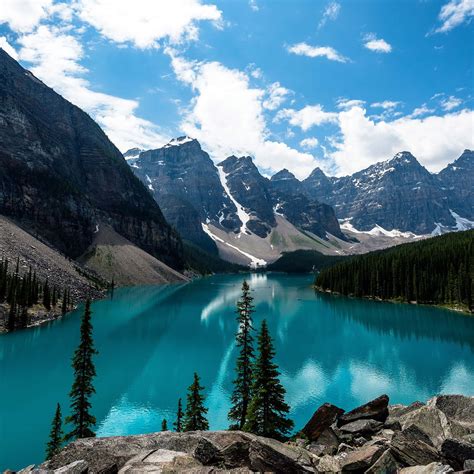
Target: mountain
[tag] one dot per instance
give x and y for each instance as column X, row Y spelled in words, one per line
column 62, row 178
column 230, row 209
column 399, row 194
column 457, row 181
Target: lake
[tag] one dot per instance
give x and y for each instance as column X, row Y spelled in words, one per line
column 151, row 340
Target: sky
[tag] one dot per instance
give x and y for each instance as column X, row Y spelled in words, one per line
column 296, row 84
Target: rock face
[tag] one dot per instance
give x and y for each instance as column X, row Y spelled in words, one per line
column 375, row 451
column 60, row 176
column 400, row 194
column 456, row 181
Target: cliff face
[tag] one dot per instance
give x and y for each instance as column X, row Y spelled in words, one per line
column 61, row 176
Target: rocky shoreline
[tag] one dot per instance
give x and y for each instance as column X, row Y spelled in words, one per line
column 434, row 437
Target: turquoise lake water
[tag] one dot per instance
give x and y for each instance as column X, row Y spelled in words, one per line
column 152, row 339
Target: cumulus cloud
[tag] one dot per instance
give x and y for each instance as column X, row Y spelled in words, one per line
column 55, row 57
column 450, row 103
column 455, row 13
column 361, row 141
column 386, row 104
column 343, row 103
column 304, row 49
column 307, row 117
column 331, row 12
column 309, row 143
column 276, row 95
column 378, row 45
column 423, row 110
column 23, row 16
column 145, row 22
column 8, row 48
column 227, row 116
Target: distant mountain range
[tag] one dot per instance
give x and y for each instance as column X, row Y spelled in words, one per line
column 232, row 208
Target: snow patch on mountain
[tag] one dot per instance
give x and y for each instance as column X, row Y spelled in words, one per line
column 461, row 222
column 376, row 231
column 178, row 141
column 255, row 262
column 241, row 212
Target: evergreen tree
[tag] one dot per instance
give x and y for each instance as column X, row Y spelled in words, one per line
column 46, row 296
column 82, row 388
column 164, row 425
column 64, row 303
column 178, row 424
column 56, row 435
column 194, row 417
column 243, row 383
column 267, row 413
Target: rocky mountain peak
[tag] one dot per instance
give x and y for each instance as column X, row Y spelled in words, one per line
column 132, row 154
column 183, row 140
column 283, row 175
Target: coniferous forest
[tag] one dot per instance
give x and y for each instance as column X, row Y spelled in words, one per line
column 439, row 270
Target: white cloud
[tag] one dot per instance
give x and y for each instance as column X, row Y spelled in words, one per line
column 419, row 111
column 307, row 117
column 8, row 48
column 227, row 116
column 304, row 49
column 454, row 13
column 343, row 103
column 450, row 103
column 386, row 104
column 308, row 143
column 253, row 5
column 55, row 57
column 378, row 45
column 362, row 142
column 331, row 12
column 276, row 95
column 145, row 22
column 23, row 15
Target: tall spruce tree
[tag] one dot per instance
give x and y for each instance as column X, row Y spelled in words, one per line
column 178, row 424
column 82, row 389
column 243, row 382
column 56, row 435
column 164, row 425
column 267, row 412
column 194, row 417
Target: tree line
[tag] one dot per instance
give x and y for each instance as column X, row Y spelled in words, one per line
column 439, row 270
column 21, row 292
column 258, row 397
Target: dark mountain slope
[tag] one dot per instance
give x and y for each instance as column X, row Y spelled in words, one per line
column 62, row 177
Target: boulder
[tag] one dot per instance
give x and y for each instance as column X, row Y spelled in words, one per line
column 320, row 449
column 360, row 459
column 434, row 423
column 432, row 468
column 396, row 411
column 374, row 410
column 322, row 419
column 457, row 452
column 415, row 433
column 457, row 408
column 411, row 452
column 361, row 427
column 329, row 464
column 160, row 460
column 385, row 464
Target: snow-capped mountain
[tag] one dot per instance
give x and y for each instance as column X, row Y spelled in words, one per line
column 401, row 195
column 230, row 207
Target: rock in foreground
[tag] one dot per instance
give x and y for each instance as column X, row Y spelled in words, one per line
column 435, row 437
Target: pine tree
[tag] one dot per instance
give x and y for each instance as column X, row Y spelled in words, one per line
column 242, row 384
column 267, row 413
column 164, row 425
column 194, row 417
column 82, row 388
column 56, row 435
column 178, row 424
column 46, row 296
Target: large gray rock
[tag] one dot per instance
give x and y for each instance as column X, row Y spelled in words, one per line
column 432, row 468
column 410, row 452
column 457, row 452
column 376, row 409
column 385, row 464
column 360, row 459
column 361, row 427
column 321, row 420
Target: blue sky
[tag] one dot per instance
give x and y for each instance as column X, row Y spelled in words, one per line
column 296, row 84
